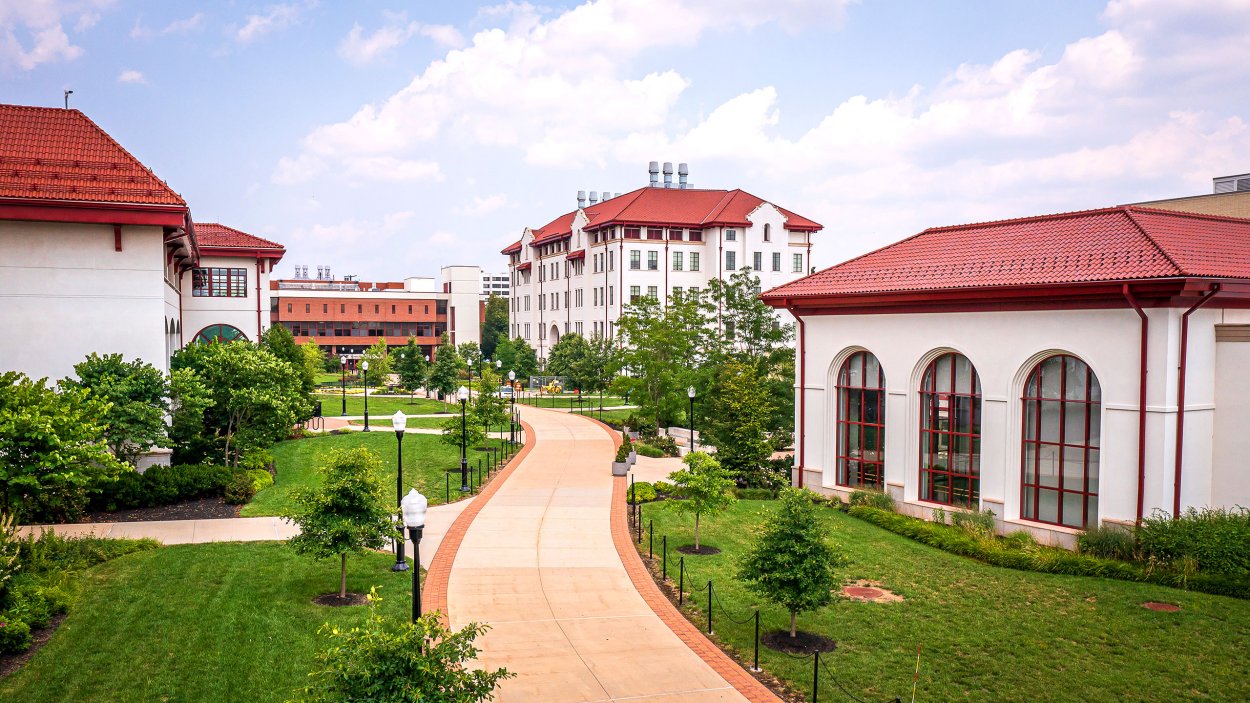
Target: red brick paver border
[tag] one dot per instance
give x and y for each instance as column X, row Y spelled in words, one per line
column 735, row 675
column 434, row 590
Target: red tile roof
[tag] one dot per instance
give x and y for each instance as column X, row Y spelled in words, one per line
column 1114, row 244
column 61, row 155
column 511, row 248
column 211, row 234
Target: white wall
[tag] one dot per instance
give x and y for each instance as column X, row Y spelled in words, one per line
column 65, row 291
column 465, row 286
column 198, row 313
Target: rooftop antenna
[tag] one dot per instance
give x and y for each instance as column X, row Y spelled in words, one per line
column 67, row 94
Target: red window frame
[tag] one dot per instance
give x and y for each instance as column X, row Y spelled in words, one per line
column 655, row 233
column 696, row 235
column 633, row 233
column 854, row 470
column 1032, row 435
column 940, row 476
column 219, row 282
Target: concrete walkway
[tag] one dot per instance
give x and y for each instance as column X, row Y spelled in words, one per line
column 539, row 564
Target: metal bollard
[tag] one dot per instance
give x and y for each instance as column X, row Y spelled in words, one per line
column 681, row 581
column 664, row 541
column 447, row 487
column 650, row 539
column 638, row 524
column 816, row 677
column 757, row 641
column 709, row 606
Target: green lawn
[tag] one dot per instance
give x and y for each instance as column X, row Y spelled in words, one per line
column 989, row 634
column 568, row 400
column 214, row 622
column 426, row 460
column 609, row 416
column 332, row 405
column 384, row 421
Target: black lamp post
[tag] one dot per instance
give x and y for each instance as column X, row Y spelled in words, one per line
column 343, row 380
column 463, row 394
column 413, row 508
column 512, row 415
column 365, row 377
column 400, row 423
column 690, row 392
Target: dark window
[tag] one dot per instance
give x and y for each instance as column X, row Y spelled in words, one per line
column 409, row 309
column 950, row 432
column 1061, row 440
column 289, row 307
column 325, row 307
column 776, row 261
column 731, row 261
column 655, row 233
column 768, row 234
column 696, row 235
column 392, row 309
column 342, row 307
column 861, row 422
column 219, row 283
column 307, row 307
column 757, row 261
column 653, row 261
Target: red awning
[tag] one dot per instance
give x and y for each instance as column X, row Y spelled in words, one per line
column 579, row 254
column 523, row 267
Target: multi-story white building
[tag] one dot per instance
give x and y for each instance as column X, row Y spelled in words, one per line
column 496, row 284
column 577, row 272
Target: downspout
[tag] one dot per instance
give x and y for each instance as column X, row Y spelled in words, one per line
column 667, row 263
column 180, row 272
column 259, row 263
column 621, row 282
column 1180, row 398
column 802, row 454
column 720, row 272
column 1141, row 403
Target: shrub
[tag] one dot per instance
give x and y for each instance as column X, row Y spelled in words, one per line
column 52, row 552
column 641, row 425
column 163, row 485
column 667, row 445
column 261, row 479
column 781, row 440
column 240, row 489
column 1107, row 542
column 649, row 451
column 257, row 459
column 756, row 493
column 642, row 491
column 1019, row 540
column 938, row 515
column 876, row 499
column 14, row 635
column 664, row 488
column 979, row 523
column 1217, row 539
column 622, row 453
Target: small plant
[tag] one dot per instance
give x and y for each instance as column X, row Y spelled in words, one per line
column 938, row 515
column 261, row 479
column 1019, row 540
column 14, row 636
column 1108, row 542
column 876, row 499
column 664, row 488
column 622, row 454
column 979, row 524
column 240, row 489
column 1217, row 539
column 666, row 444
column 703, row 487
column 649, row 451
column 641, row 492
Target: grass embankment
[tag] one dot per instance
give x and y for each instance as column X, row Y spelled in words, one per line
column 379, row 406
column 568, row 400
column 611, row 417
column 989, row 634
column 199, row 623
column 384, row 421
column 426, row 459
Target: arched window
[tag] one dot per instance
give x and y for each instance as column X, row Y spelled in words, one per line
column 219, row 333
column 1061, row 438
column 768, row 234
column 950, row 432
column 861, row 422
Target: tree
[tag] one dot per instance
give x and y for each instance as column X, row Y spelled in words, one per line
column 349, row 512
column 495, row 325
column 405, row 662
column 53, row 448
column 411, row 366
column 314, row 358
column 704, row 488
column 256, row 397
column 526, row 359
column 471, row 354
column 189, row 399
column 469, row 432
column 790, row 562
column 277, row 340
column 505, row 354
column 600, row 365
column 665, row 347
column 748, row 326
column 379, row 364
column 488, row 408
column 445, row 376
column 736, row 414
column 138, row 394
column 568, row 358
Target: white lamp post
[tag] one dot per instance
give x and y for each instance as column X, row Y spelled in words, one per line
column 690, row 393
column 365, row 365
column 413, row 507
column 463, row 395
column 343, row 379
column 400, row 422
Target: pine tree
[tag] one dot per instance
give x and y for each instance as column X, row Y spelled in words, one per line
column 737, row 413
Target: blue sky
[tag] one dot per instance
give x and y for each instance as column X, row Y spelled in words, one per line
column 387, row 138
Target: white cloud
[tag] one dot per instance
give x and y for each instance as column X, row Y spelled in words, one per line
column 483, row 205
column 389, row 168
column 360, row 48
column 274, row 18
column 33, row 33
column 131, row 76
column 178, row 26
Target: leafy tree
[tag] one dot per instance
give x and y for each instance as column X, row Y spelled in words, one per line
column 314, row 358
column 379, row 364
column 471, row 355
column 748, row 326
column 137, row 392
column 53, row 449
column 256, row 397
column 189, row 399
column 505, row 353
column 411, row 366
column 403, row 662
column 526, row 364
column 489, row 410
column 664, row 349
column 736, row 412
column 600, row 365
column 495, row 326
column 277, row 340
column 445, row 375
column 704, row 487
column 790, row 562
column 470, row 432
column 568, row 358
column 348, row 513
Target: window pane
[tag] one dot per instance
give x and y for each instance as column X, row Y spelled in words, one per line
column 872, row 370
column 1048, row 465
column 1048, row 506
column 942, row 374
column 1030, row 457
column 1073, row 509
column 1074, row 388
column 1052, row 379
column 1050, row 420
column 1030, row 420
column 1074, row 423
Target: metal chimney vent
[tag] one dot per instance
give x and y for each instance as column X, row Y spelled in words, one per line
column 581, row 199
column 653, row 170
column 683, row 171
column 594, row 197
column 668, row 174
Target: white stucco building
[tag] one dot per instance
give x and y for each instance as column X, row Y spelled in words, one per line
column 577, row 272
column 226, row 295
column 1062, row 371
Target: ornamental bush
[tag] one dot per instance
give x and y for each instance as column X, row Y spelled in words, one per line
column 1107, row 542
column 649, row 451
column 642, row 491
column 876, row 499
column 240, row 489
column 162, row 485
column 14, row 636
column 1218, row 539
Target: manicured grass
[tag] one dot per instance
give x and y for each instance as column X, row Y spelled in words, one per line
column 568, row 400
column 384, row 421
column 332, row 405
column 609, row 416
column 989, row 634
column 426, row 460
column 214, row 622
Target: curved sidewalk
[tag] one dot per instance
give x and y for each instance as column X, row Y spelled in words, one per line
column 540, row 565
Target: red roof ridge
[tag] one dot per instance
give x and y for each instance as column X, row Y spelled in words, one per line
column 204, row 230
column 1186, row 214
column 719, row 207
column 1128, row 212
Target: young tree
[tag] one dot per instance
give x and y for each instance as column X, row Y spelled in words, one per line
column 704, row 488
column 138, row 394
column 348, row 514
column 664, row 348
column 314, row 358
column 489, row 410
column 277, row 340
column 495, row 326
column 445, row 375
column 600, row 365
column 736, row 412
column 404, row 662
column 748, row 326
column 469, row 431
column 53, row 450
column 189, row 400
column 568, row 358
column 379, row 364
column 790, row 562
column 471, row 354
column 410, row 365
column 505, row 353
column 526, row 359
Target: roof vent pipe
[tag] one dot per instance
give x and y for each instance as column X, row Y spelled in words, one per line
column 581, row 199
column 594, row 197
column 683, row 171
column 668, row 174
column 653, row 169
column 606, row 195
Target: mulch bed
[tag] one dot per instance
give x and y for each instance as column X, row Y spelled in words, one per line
column 204, row 509
column 12, row 662
column 801, row 643
column 333, row 600
column 703, row 549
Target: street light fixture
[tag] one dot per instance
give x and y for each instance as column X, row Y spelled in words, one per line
column 426, row 381
column 343, row 381
column 400, row 422
column 463, row 395
column 365, row 365
column 690, row 392
column 512, row 415
column 413, row 508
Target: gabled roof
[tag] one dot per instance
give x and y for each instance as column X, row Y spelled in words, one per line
column 218, row 236
column 512, row 248
column 58, row 155
column 1110, row 245
column 561, row 226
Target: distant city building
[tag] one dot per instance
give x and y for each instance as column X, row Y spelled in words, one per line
column 496, row 284
column 579, row 271
column 1230, row 197
column 347, row 316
